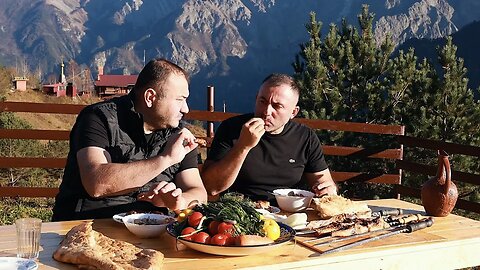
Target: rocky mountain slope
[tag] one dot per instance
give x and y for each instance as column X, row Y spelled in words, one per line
column 231, row 44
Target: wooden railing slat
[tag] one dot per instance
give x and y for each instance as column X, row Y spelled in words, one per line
column 8, row 106
column 352, row 126
column 451, row 148
column 30, row 162
column 432, row 170
column 33, row 192
column 359, row 152
column 366, row 177
column 34, row 134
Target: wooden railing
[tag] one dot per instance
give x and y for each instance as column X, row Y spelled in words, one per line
column 395, row 154
column 46, row 162
column 430, row 170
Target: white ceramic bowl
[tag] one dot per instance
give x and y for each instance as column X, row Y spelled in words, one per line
column 293, row 200
column 147, row 225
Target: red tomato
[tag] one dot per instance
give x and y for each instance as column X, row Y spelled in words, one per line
column 213, row 227
column 187, row 230
column 220, row 239
column 194, row 219
column 201, row 237
column 230, row 240
column 225, row 227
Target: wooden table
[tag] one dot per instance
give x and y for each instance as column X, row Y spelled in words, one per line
column 452, row 242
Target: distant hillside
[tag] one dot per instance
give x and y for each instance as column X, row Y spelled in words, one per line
column 468, row 42
column 231, row 44
column 43, row 120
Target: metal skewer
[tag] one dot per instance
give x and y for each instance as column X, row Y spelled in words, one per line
column 409, row 228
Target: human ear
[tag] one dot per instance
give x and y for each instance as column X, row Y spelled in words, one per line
column 295, row 112
column 149, row 97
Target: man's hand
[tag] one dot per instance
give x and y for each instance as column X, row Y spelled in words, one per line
column 322, row 183
column 325, row 188
column 165, row 194
column 180, row 145
column 251, row 133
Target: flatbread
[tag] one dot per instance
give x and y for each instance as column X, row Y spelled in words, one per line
column 89, row 249
column 332, row 205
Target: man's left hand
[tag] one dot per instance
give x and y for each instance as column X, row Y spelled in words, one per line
column 165, row 194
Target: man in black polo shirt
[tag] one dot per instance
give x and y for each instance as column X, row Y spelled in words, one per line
column 132, row 152
column 256, row 153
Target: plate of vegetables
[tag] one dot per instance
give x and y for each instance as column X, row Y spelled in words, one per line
column 229, row 227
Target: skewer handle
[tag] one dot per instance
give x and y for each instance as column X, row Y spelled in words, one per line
column 391, row 212
column 420, row 225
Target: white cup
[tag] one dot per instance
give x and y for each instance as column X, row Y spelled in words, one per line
column 28, row 237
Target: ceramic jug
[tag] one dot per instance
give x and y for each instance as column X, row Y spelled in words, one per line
column 439, row 193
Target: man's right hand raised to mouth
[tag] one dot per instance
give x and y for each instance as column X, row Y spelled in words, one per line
column 251, row 133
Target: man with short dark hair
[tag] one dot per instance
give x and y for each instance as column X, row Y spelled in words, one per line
column 132, row 152
column 256, row 153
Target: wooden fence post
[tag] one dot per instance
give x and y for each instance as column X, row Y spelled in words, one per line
column 210, row 108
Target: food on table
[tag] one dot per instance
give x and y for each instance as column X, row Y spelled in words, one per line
column 201, row 142
column 292, row 204
column 89, row 249
column 271, row 229
column 332, row 205
column 152, row 221
column 227, row 222
column 183, row 214
column 295, row 194
column 346, row 225
column 147, row 225
column 296, row 219
column 262, row 205
column 252, row 240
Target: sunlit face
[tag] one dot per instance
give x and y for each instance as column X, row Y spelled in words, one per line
column 167, row 111
column 276, row 105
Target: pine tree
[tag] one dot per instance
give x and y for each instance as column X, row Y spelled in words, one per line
column 348, row 77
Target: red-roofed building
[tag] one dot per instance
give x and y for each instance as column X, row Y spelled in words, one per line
column 108, row 86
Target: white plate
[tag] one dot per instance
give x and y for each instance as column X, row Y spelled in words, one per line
column 119, row 217
column 13, row 263
column 287, row 234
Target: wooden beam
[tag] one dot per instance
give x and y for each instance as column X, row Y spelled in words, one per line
column 358, row 152
column 429, row 170
column 8, row 106
column 352, row 126
column 366, row 177
column 33, row 192
column 24, row 162
column 35, row 134
column 451, row 148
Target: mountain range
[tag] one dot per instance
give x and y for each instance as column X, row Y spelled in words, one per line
column 231, row 44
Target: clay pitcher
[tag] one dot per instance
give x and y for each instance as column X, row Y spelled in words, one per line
column 439, row 193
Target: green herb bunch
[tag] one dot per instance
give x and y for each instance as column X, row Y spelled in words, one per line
column 234, row 208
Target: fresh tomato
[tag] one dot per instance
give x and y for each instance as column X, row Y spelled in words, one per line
column 195, row 218
column 187, row 230
column 213, row 227
column 201, row 237
column 221, row 239
column 226, row 227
